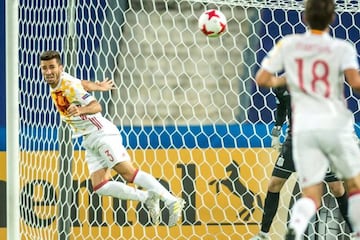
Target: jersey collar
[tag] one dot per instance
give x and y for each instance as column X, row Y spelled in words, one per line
column 319, row 33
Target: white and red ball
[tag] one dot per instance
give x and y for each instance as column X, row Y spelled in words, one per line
column 212, row 23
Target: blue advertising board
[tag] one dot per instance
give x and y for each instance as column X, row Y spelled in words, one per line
column 2, row 78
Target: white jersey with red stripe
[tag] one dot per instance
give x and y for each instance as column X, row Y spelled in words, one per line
column 314, row 63
column 70, row 91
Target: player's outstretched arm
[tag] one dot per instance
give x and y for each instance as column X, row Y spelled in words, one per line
column 353, row 78
column 104, row 85
column 266, row 79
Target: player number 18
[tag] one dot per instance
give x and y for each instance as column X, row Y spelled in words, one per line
column 316, row 77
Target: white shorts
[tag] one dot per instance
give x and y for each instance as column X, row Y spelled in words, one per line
column 104, row 150
column 315, row 151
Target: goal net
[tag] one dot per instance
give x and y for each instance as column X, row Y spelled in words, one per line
column 187, row 107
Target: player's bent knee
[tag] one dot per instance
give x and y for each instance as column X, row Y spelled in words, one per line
column 98, row 187
column 126, row 170
column 276, row 184
column 337, row 188
column 99, row 177
column 353, row 184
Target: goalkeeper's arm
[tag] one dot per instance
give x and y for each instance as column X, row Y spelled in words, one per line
column 275, row 137
column 281, row 111
column 280, row 117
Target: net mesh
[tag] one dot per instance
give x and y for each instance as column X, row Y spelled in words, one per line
column 186, row 105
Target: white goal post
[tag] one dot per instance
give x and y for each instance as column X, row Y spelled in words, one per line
column 12, row 122
column 186, row 105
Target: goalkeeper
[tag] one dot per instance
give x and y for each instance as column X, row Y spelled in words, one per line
column 284, row 167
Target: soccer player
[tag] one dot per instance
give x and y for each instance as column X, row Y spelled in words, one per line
column 102, row 141
column 284, row 167
column 315, row 64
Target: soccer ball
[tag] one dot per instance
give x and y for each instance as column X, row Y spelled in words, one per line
column 212, row 23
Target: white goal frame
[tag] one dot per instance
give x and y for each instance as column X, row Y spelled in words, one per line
column 12, row 121
column 12, row 94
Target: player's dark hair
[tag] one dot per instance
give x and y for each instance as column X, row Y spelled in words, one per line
column 319, row 13
column 48, row 55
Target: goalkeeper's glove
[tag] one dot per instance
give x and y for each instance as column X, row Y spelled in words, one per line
column 275, row 138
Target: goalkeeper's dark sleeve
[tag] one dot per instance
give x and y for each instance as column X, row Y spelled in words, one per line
column 281, row 111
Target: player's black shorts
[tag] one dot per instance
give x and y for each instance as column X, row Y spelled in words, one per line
column 284, row 165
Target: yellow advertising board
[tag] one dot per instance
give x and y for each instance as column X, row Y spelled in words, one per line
column 224, row 190
column 2, row 192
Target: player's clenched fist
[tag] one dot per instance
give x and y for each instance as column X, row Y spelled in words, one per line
column 73, row 110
